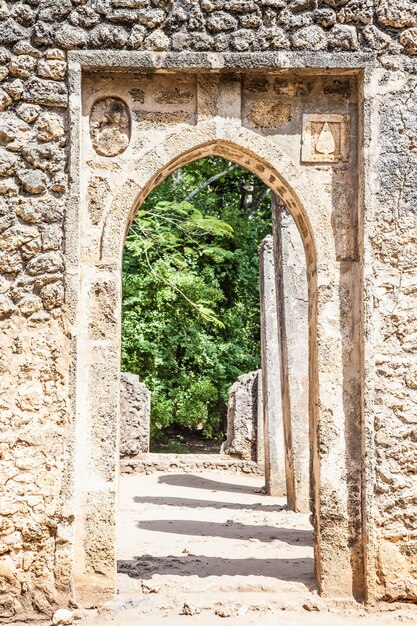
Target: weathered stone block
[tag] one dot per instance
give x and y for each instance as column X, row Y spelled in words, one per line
column 135, row 416
column 243, row 416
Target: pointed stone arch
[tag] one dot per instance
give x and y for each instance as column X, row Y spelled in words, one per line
column 98, row 353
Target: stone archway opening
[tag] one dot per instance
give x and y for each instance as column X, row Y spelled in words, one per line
column 333, row 312
column 203, row 524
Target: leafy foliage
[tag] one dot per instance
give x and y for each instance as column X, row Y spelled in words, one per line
column 190, row 291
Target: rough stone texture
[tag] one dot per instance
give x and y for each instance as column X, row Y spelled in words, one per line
column 135, row 415
column 238, row 26
column 393, row 250
column 243, row 416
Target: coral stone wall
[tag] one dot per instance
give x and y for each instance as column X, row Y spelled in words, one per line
column 36, row 441
column 205, row 25
column 393, row 242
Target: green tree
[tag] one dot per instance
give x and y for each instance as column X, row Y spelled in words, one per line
column 191, row 291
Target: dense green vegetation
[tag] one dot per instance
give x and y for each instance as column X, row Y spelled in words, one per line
column 191, row 291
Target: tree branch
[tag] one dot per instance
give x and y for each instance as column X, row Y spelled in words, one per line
column 208, row 182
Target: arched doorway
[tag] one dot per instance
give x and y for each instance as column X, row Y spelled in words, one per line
column 98, row 347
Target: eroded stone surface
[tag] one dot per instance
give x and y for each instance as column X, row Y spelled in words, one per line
column 135, row 416
column 110, row 126
column 243, row 415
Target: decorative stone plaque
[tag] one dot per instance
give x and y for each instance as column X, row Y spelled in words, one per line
column 325, row 138
column 110, row 126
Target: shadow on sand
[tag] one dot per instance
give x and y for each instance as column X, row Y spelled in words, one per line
column 197, row 482
column 144, row 567
column 190, row 503
column 230, row 530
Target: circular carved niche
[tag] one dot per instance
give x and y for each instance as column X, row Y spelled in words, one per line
column 110, row 126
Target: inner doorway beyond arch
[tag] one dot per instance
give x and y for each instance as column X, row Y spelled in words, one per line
column 232, row 535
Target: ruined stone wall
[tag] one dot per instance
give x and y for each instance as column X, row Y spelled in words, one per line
column 203, row 25
column 37, row 417
column 135, row 416
column 244, row 417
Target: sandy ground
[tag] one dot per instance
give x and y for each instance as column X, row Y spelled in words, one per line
column 210, row 532
column 211, row 549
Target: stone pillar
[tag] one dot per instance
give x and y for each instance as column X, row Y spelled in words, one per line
column 260, row 439
column 292, row 303
column 242, row 418
column 135, row 416
column 275, row 476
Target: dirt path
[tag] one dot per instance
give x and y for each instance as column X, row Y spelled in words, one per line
column 207, row 549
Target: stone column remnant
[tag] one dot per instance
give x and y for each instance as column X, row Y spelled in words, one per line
column 292, row 308
column 274, row 443
column 135, row 415
column 242, row 417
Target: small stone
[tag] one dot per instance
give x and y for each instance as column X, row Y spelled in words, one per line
column 85, row 17
column 70, row 37
column 4, row 56
column 40, row 317
column 398, row 14
column 151, row 17
column 4, row 72
column 190, row 609
column 408, row 40
column 309, row 38
column 28, row 112
column 157, row 41
column 343, row 38
column 55, row 53
column 45, row 92
column 25, row 47
column 33, row 181
column 49, row 127
column 227, row 610
column 22, row 66
column 59, row 183
column 220, row 21
column 30, row 304
column 325, row 17
column 14, row 89
column 46, row 263
column 43, row 34
column 108, row 36
column 52, row 297
column 11, row 32
column 376, row 39
column 242, row 40
column 137, row 36
column 8, row 187
column 5, row 100
column 52, row 68
column 7, row 162
column 357, row 12
column 6, row 307
column 53, row 10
